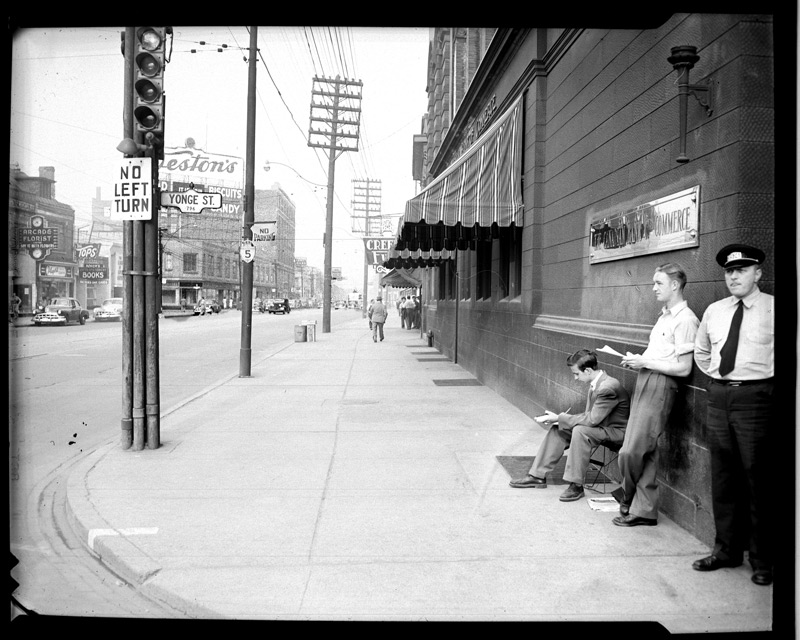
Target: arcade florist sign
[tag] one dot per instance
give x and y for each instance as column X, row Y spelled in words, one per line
column 665, row 224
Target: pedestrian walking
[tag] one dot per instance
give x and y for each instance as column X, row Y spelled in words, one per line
column 15, row 303
column 369, row 312
column 408, row 316
column 377, row 318
column 735, row 348
column 668, row 357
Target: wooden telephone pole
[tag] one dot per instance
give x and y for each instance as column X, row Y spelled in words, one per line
column 367, row 199
column 336, row 108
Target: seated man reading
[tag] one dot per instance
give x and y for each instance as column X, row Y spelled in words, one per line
column 602, row 422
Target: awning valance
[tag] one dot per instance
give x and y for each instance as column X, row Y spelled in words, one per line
column 481, row 191
column 418, row 259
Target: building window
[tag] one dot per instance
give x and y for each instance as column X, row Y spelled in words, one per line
column 167, row 262
column 190, row 262
column 483, row 275
column 510, row 283
column 464, row 270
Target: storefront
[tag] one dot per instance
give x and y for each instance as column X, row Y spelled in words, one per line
column 56, row 279
column 572, row 165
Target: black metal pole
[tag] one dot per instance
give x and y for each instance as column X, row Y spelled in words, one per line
column 249, row 212
column 152, row 308
column 127, row 260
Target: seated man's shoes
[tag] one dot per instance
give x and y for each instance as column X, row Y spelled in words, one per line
column 572, row 492
column 634, row 521
column 528, row 482
column 712, row 563
column 762, row 576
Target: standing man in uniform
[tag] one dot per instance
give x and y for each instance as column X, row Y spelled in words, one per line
column 735, row 348
column 668, row 356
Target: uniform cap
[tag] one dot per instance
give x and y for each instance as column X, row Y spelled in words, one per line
column 739, row 255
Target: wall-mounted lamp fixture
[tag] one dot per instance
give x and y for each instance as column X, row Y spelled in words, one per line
column 682, row 59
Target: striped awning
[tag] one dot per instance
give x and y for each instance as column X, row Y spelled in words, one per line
column 478, row 193
column 402, row 279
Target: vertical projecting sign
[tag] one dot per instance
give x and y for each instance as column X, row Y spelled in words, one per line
column 133, row 198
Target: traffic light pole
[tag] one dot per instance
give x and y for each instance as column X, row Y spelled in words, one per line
column 249, row 210
column 127, row 260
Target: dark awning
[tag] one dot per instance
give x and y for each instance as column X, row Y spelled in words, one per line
column 407, row 259
column 402, row 279
column 478, row 193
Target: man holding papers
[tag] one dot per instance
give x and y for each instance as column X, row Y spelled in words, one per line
column 667, row 357
column 603, row 421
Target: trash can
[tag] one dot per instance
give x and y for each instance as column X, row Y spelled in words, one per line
column 300, row 333
column 311, row 330
column 430, row 338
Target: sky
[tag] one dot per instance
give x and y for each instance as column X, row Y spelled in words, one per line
column 67, row 90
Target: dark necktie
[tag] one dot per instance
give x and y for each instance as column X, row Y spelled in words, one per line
column 728, row 351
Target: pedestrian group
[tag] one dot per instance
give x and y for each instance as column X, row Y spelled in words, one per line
column 733, row 345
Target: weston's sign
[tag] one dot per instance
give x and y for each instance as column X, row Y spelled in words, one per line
column 665, row 224
column 190, row 161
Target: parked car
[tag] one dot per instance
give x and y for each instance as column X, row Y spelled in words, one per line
column 109, row 311
column 206, row 307
column 61, row 311
column 339, row 304
column 279, row 305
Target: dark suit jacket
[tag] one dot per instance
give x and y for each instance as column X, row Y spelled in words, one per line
column 607, row 406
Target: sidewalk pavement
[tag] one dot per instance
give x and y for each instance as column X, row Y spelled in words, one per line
column 340, row 481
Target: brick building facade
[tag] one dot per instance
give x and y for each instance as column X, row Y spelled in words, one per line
column 601, row 139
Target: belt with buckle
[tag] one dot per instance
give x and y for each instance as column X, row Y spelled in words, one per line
column 741, row 383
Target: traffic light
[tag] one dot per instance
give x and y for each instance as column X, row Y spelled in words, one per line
column 149, row 100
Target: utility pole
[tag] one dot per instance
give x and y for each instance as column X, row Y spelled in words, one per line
column 336, row 107
column 366, row 198
column 249, row 210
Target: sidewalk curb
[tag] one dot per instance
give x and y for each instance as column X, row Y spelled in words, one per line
column 112, row 546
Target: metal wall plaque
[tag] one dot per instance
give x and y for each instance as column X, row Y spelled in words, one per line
column 665, row 224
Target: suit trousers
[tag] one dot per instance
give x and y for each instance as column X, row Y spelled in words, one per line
column 653, row 399
column 377, row 330
column 739, row 425
column 580, row 441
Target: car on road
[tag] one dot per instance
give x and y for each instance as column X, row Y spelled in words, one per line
column 279, row 305
column 109, row 311
column 206, row 307
column 339, row 304
column 61, row 311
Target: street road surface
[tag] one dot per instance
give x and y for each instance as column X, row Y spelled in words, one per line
column 65, row 400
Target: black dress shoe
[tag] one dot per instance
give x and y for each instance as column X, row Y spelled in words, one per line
column 634, row 521
column 529, row 482
column 624, row 509
column 762, row 576
column 712, row 563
